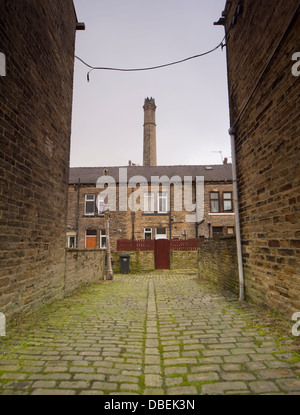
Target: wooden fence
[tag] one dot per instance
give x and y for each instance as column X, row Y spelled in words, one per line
column 140, row 245
column 149, row 245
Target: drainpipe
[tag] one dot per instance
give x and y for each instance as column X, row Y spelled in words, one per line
column 232, row 133
column 109, row 271
column 170, row 215
column 132, row 218
column 77, row 213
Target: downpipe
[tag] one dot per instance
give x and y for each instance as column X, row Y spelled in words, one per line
column 232, row 133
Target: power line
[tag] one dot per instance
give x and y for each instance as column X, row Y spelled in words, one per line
column 221, row 44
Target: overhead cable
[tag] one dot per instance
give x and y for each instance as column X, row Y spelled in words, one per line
column 103, row 68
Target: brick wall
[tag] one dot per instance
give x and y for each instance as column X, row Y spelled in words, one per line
column 38, row 39
column 217, row 263
column 267, row 147
column 83, row 267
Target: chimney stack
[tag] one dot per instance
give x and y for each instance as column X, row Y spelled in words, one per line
column 149, row 133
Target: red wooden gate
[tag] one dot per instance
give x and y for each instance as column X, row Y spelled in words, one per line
column 162, row 254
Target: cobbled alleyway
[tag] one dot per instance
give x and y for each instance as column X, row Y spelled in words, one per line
column 149, row 335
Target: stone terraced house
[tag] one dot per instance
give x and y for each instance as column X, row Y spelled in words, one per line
column 149, row 202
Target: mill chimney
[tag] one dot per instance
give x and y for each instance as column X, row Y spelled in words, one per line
column 150, row 158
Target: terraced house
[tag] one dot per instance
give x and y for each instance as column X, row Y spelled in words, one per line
column 149, row 202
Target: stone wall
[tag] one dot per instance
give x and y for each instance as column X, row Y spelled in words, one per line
column 183, row 260
column 140, row 261
column 264, row 108
column 37, row 38
column 217, row 263
column 144, row 261
column 83, row 267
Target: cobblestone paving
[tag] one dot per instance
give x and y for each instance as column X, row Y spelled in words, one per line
column 149, row 335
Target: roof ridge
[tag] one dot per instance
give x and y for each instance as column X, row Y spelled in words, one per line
column 159, row 166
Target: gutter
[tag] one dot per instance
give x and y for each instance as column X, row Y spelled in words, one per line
column 232, row 133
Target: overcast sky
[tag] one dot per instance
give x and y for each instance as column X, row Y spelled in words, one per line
column 192, row 113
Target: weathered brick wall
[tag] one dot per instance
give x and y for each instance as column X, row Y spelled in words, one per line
column 267, row 148
column 38, row 39
column 183, row 260
column 83, row 267
column 140, row 261
column 217, row 263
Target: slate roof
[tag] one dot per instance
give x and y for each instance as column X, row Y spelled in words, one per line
column 211, row 173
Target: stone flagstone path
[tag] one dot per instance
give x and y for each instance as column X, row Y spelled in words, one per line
column 149, row 335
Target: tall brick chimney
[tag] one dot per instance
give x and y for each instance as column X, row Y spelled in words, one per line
column 149, row 133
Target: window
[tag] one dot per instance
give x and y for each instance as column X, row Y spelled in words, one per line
column 227, row 202
column 100, row 205
column 91, row 232
column 91, row 239
column 71, row 241
column 148, row 233
column 214, row 202
column 103, row 239
column 161, row 233
column 149, row 202
column 162, row 202
column 217, row 231
column 230, row 230
column 89, row 205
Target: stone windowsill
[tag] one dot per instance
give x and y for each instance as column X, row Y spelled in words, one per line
column 222, row 214
column 155, row 214
column 93, row 216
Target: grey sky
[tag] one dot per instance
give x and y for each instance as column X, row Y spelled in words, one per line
column 192, row 100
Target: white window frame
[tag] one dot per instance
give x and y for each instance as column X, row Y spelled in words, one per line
column 75, row 244
column 102, row 236
column 85, row 202
column 160, row 197
column 101, row 201
column 160, row 235
column 148, row 231
column 149, row 196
